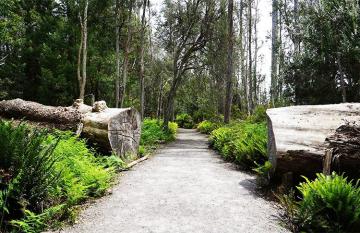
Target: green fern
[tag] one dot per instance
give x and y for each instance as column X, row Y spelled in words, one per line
column 244, row 143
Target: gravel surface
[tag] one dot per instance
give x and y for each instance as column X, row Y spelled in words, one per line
column 185, row 187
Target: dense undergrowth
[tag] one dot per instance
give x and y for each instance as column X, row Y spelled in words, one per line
column 45, row 176
column 327, row 204
column 184, row 120
column 153, row 134
column 207, row 126
column 243, row 142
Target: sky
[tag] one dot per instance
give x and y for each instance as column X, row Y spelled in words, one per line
column 264, row 29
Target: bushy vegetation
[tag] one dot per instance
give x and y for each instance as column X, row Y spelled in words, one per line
column 153, row 133
column 184, row 120
column 244, row 143
column 43, row 175
column 327, row 204
column 207, row 127
column 259, row 114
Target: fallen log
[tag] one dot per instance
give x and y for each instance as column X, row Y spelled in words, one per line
column 64, row 118
column 299, row 137
column 112, row 129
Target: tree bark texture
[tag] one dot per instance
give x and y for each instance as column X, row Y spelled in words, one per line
column 120, row 101
column 117, row 47
column 82, row 54
column 250, row 60
column 274, row 51
column 229, row 70
column 142, row 65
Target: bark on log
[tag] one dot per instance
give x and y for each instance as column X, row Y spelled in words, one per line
column 64, row 118
column 112, row 129
column 299, row 136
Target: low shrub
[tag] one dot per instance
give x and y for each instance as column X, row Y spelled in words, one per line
column 153, row 133
column 27, row 170
column 263, row 171
column 327, row 204
column 244, row 143
column 41, row 171
column 43, row 176
column 184, row 120
column 207, row 127
column 259, row 115
column 82, row 174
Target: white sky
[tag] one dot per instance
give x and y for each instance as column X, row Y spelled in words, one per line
column 264, row 29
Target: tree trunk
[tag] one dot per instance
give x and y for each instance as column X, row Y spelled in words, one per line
column 126, row 59
column 80, row 55
column 169, row 110
column 83, row 45
column 117, row 41
column 242, row 55
column 160, row 98
column 142, row 49
column 255, row 79
column 281, row 59
column 229, row 70
column 298, row 143
column 79, row 61
column 250, row 67
column 274, row 52
column 297, row 29
column 342, row 81
column 112, row 129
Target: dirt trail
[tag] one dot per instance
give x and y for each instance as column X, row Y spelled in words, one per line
column 185, row 187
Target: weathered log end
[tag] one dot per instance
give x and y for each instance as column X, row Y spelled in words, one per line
column 125, row 132
column 299, row 138
column 344, row 145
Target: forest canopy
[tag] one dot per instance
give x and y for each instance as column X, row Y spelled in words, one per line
column 175, row 59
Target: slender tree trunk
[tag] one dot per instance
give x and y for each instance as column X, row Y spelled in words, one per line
column 126, row 59
column 150, row 32
column 84, row 52
column 255, row 79
column 251, row 89
column 117, row 34
column 142, row 49
column 169, row 110
column 274, row 52
column 79, row 54
column 242, row 54
column 220, row 94
column 160, row 97
column 229, row 71
column 342, row 81
column 281, row 60
column 297, row 30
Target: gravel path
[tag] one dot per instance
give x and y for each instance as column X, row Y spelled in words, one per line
column 185, row 187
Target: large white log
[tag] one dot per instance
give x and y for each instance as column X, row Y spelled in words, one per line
column 297, row 135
